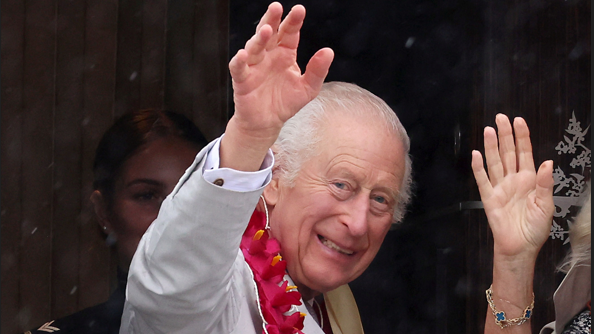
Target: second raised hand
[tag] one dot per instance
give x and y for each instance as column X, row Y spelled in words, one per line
column 269, row 87
column 518, row 199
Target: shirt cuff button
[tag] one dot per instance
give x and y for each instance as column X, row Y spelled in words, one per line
column 219, row 182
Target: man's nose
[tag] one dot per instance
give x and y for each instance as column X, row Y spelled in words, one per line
column 356, row 218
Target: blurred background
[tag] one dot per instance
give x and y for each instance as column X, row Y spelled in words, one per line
column 447, row 67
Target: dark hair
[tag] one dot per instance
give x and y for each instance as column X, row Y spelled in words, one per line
column 132, row 131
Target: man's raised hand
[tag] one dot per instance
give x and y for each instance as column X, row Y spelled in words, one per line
column 269, row 87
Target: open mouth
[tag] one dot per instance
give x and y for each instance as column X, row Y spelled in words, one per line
column 334, row 246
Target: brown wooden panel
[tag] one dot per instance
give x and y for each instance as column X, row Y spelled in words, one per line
column 99, row 84
column 154, row 22
column 210, row 67
column 12, row 38
column 67, row 159
column 128, row 64
column 38, row 94
column 178, row 79
column 196, row 72
column 67, row 70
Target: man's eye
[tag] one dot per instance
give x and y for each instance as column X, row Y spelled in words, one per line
column 380, row 199
column 340, row 185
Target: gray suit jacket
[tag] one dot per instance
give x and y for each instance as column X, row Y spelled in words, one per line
column 188, row 274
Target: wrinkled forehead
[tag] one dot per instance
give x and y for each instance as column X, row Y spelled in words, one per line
column 359, row 135
column 361, row 117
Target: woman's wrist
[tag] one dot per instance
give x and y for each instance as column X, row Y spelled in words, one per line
column 512, row 288
column 513, row 271
column 525, row 256
column 511, row 293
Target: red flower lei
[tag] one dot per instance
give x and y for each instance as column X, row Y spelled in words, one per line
column 276, row 297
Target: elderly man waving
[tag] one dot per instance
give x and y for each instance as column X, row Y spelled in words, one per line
column 254, row 240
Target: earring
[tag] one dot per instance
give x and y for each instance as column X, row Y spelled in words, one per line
column 104, row 228
column 111, row 239
column 266, row 211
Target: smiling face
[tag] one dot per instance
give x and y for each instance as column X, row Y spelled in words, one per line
column 143, row 182
column 332, row 222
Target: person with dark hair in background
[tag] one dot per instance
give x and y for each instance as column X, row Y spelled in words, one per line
column 138, row 161
column 518, row 201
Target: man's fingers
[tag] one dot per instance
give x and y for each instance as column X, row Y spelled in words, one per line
column 288, row 31
column 256, row 46
column 272, row 17
column 480, row 175
column 317, row 68
column 507, row 148
column 494, row 164
column 523, row 145
column 253, row 53
column 238, row 66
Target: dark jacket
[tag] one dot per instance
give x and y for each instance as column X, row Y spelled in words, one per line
column 99, row 319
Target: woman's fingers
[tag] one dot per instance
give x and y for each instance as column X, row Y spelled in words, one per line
column 494, row 165
column 544, row 187
column 507, row 147
column 523, row 145
column 480, row 175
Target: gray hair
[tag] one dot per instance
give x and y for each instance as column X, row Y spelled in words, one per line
column 299, row 137
column 579, row 236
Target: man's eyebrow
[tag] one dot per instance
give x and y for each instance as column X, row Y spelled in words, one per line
column 144, row 181
column 339, row 170
column 343, row 172
column 393, row 193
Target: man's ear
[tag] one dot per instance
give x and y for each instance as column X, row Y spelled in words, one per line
column 272, row 191
column 100, row 205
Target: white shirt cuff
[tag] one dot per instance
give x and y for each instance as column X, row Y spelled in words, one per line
column 233, row 179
